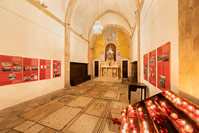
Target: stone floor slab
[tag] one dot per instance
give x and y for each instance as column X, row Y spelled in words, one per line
column 58, row 119
column 34, row 129
column 111, row 95
column 84, row 124
column 97, row 108
column 13, row 131
column 22, row 127
column 48, row 130
column 42, row 111
column 80, row 102
column 118, row 105
column 5, row 131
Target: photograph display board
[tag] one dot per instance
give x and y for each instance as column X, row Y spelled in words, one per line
column 145, row 67
column 163, row 67
column 56, row 68
column 30, row 69
column 10, row 70
column 152, row 67
column 45, row 67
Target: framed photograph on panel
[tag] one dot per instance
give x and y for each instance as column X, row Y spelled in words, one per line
column 145, row 58
column 163, row 67
column 10, row 70
column 152, row 67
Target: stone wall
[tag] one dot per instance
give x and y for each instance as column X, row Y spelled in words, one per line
column 189, row 49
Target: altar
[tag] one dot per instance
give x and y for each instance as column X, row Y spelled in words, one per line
column 110, row 68
column 110, row 71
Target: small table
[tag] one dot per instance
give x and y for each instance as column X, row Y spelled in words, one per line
column 134, row 87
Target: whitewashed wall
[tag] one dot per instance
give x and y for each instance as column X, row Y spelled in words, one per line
column 28, row 32
column 134, row 46
column 159, row 25
column 78, row 49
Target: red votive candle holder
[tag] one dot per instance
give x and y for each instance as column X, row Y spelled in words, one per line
column 123, row 115
column 197, row 112
column 140, row 109
column 124, row 110
column 181, row 123
column 132, row 125
column 146, row 131
column 174, row 116
column 172, row 97
column 134, row 130
column 191, row 109
column 131, row 113
column 188, row 129
column 124, row 131
column 163, row 104
column 145, row 126
column 179, row 103
column 184, row 105
column 124, row 120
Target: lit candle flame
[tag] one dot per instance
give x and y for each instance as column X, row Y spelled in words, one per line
column 145, row 124
column 140, row 109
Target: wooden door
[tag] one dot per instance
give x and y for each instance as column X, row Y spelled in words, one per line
column 96, row 68
column 124, row 69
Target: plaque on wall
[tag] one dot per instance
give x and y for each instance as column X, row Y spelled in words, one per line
column 45, row 67
column 56, row 68
column 163, row 66
column 145, row 58
column 30, row 69
column 10, row 70
column 152, row 67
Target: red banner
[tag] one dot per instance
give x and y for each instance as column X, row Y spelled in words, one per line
column 30, row 69
column 10, row 70
column 56, row 68
column 146, row 67
column 163, row 66
column 45, row 67
column 152, row 67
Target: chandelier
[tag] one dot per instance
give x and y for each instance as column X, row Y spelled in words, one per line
column 97, row 27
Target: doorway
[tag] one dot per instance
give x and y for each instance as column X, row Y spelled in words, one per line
column 96, row 68
column 134, row 71
column 124, row 69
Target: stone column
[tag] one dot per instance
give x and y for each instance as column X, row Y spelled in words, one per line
column 90, row 61
column 67, row 56
column 138, row 44
column 188, row 20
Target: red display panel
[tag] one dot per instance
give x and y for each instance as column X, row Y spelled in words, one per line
column 30, row 69
column 10, row 70
column 163, row 67
column 146, row 67
column 152, row 67
column 56, row 68
column 45, row 67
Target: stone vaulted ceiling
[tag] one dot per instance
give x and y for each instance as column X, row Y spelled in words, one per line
column 119, row 12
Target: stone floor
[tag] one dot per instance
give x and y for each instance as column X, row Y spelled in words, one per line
column 86, row 108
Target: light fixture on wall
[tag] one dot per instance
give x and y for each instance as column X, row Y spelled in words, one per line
column 97, row 27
